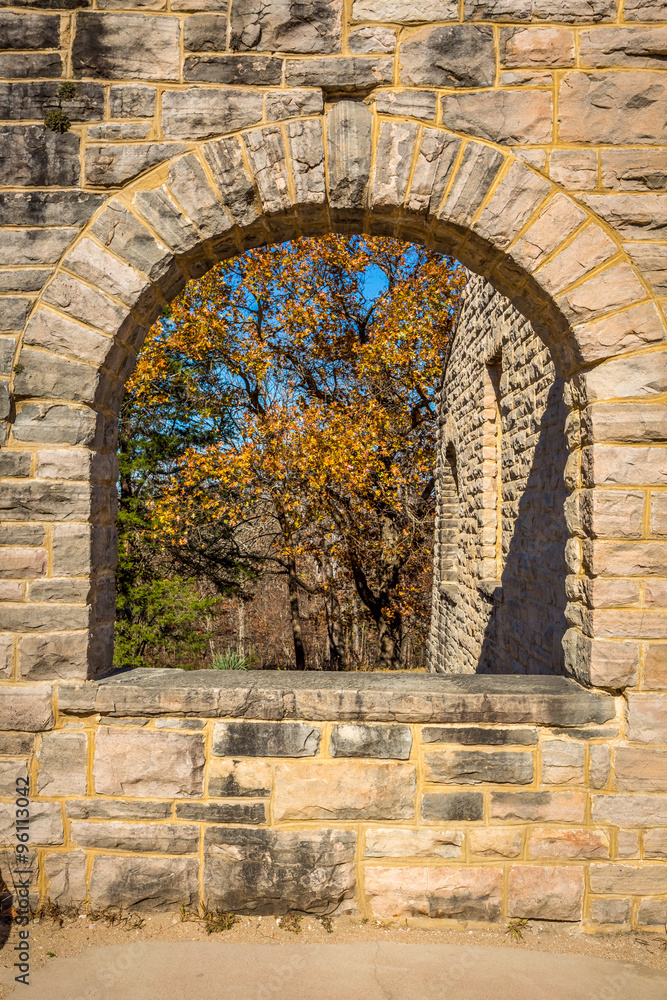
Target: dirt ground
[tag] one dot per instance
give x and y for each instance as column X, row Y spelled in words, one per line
column 48, row 939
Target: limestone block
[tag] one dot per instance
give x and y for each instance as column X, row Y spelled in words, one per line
column 652, row 261
column 640, row 48
column 436, row 158
column 658, row 515
column 655, row 844
column 306, row 150
column 276, row 871
column 240, row 778
column 26, row 708
column 477, row 736
column 393, row 842
column 630, row 810
column 148, row 763
column 222, row 812
column 12, row 463
column 45, row 501
column 349, row 128
column 644, row 10
column 538, row 10
column 606, row 464
column 558, row 807
column 462, row 893
column 46, row 823
column 16, row 744
column 612, row 289
column 88, row 260
column 353, row 74
column 541, row 893
column 32, row 155
column 588, row 250
column 197, row 112
column 495, row 842
column 469, row 767
column 395, row 147
column 536, row 46
column 156, row 838
column 562, row 762
column 624, row 558
column 655, row 667
column 45, row 208
column 119, row 131
column 32, row 65
column 46, row 375
column 34, row 246
column 14, row 313
column 454, row 56
column 55, row 333
column 508, row 117
column 614, row 108
column 404, row 10
column 266, row 153
column 362, row 41
column 126, row 47
column 167, row 219
column 43, row 617
column 635, row 217
column 205, row 33
column 477, row 170
column 293, row 103
column 415, row 103
column 634, row 170
column 10, row 771
column 265, row 739
column 122, row 233
column 7, row 350
column 639, row 769
column 21, row 101
column 358, row 740
column 618, row 878
column 66, row 877
column 548, row 842
column 556, row 222
column 43, row 657
column 117, row 809
column 143, row 883
column 599, row 767
column 280, row 26
column 113, row 165
column 21, row 534
column 518, row 196
column 452, row 807
column 634, row 328
column 29, row 31
column 23, row 563
column 647, row 718
column 248, row 70
column 344, row 790
column 610, row 911
column 627, row 844
column 72, row 551
column 7, row 651
column 652, row 913
column 18, row 281
column 62, row 761
column 189, row 185
column 132, row 101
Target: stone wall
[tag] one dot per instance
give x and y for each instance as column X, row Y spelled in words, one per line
column 501, row 535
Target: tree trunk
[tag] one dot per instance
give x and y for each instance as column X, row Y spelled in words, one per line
column 390, row 654
column 293, row 586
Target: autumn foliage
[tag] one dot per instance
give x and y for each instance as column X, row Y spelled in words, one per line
column 304, row 380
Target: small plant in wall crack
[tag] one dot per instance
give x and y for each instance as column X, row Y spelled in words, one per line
column 55, row 119
column 516, row 928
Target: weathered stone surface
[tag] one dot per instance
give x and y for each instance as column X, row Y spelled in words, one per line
column 89, row 261
column 148, row 764
column 415, row 103
column 562, row 762
column 612, row 107
column 404, row 10
column 111, row 166
column 351, row 740
column 29, row 31
column 16, row 744
column 518, row 196
column 641, row 48
column 652, row 261
column 536, row 46
column 72, row 550
column 280, row 26
column 14, row 463
column 394, row 160
column 19, row 65
column 635, row 217
column 10, row 771
column 276, row 871
column 34, row 246
column 563, row 807
column 23, row 563
column 647, row 718
column 26, row 708
column 509, row 117
column 468, row 767
column 46, row 823
column 349, row 147
column 122, row 233
column 555, row 223
column 188, row 183
column 55, row 333
column 478, row 168
column 265, row 739
column 464, row 893
column 575, row 169
column 21, row 101
column 197, row 113
column 393, row 842
column 351, row 74
column 143, row 883
column 117, row 809
column 599, row 765
column 435, row 161
column 453, row 807
column 495, row 842
column 631, row 170
column 633, row 328
column 652, row 913
column 292, row 103
column 66, row 877
column 655, row 667
column 610, row 911
column 476, row 736
column 20, row 281
column 371, row 39
column 125, row 47
column 62, row 761
column 132, row 101
column 546, row 893
column 236, row 186
column 612, row 289
column 636, row 879
column 240, row 778
column 266, row 152
column 630, row 810
column 344, row 790
column 587, row 251
column 13, row 313
column 156, row 838
column 248, row 70
column 166, row 218
column 81, row 302
column 46, row 375
column 547, row 842
column 306, row 149
column 222, row 812
column 538, row 10
column 456, row 56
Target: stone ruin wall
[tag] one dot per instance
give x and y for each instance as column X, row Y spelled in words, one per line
column 500, row 537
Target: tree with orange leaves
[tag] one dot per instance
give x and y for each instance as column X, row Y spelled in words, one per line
column 324, row 357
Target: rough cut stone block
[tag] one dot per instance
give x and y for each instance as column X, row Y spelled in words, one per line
column 405, row 10
column 610, row 911
column 62, row 336
column 612, row 289
column 117, row 809
column 476, row 172
column 518, row 196
column 634, row 328
column 634, row 170
column 587, row 251
column 647, row 718
column 393, row 842
column 26, row 708
column 293, row 103
column 392, row 166
column 143, row 883
column 265, row 739
column 236, row 186
column 357, row 740
column 555, row 223
column 460, row 55
column 467, row 767
column 630, row 810
column 655, row 844
column 344, row 75
column 197, row 113
column 435, row 161
column 344, row 790
column 655, row 667
column 10, row 771
column 266, row 153
column 83, row 303
column 283, row 25
column 45, row 501
column 21, row 66
column 62, row 764
column 21, row 101
column 90, row 261
column 640, row 48
column 634, row 879
column 112, row 166
column 43, row 657
column 462, row 893
column 34, row 246
column 547, row 842
column 454, row 807
column 371, row 39
column 148, row 764
column 126, row 47
column 306, row 149
column 156, row 838
column 495, row 842
column 614, row 108
column 46, row 823
column 222, row 812
column 23, row 563
column 250, row 71
column 167, row 219
column 635, row 217
column 122, row 233
column 652, row 261
column 562, row 762
column 599, row 767
column 276, row 871
column 560, row 807
column 509, row 117
column 415, row 103
column 536, row 46
column 132, row 101
column 349, row 126
column 541, row 10
column 29, row 31
column 13, row 314
column 546, row 893
column 47, row 375
column 66, row 877
column 238, row 778
column 652, row 913
column 477, row 736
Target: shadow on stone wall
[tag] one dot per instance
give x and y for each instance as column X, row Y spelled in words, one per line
column 525, row 630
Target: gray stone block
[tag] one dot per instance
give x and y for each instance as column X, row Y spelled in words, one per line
column 293, row 103
column 83, row 303
column 47, row 657
column 31, row 155
column 395, row 150
column 46, row 823
column 349, row 127
column 415, row 103
column 13, row 313
column 132, row 101
column 42, row 617
column 34, row 246
column 358, row 740
column 189, row 184
column 205, row 33
column 345, row 75
column 29, row 31
column 62, row 336
column 461, row 55
column 52, row 423
column 7, row 349
column 476, row 736
column 276, row 871
column 20, row 281
column 55, row 378
column 62, row 761
column 66, row 877
column 198, row 113
column 466, row 767
column 306, row 148
column 89, row 261
column 10, row 772
column 26, row 708
column 143, row 883
column 372, row 39
column 47, row 208
column 117, row 809
column 268, row 162
column 113, row 165
column 225, row 158
column 23, row 101
column 477, row 170
column 240, row 779
column 166, row 218
column 454, row 807
column 222, row 812
column 32, row 66
column 250, row 71
column 155, row 838
column 126, row 46
column 122, row 232
column 41, row 501
column 280, row 25
column 21, row 534
column 13, row 463
column 265, row 739
column 16, row 744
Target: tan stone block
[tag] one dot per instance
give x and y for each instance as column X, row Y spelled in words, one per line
column 647, row 718
column 604, row 465
column 639, row 769
column 651, row 259
column 237, row 778
column 392, row 842
column 639, row 326
column 540, row 893
column 659, row 514
column 46, row 823
column 634, row 170
column 344, row 789
column 599, row 764
column 469, row 767
column 613, row 512
column 610, row 593
column 641, row 48
column 655, row 667
column 143, row 883
column 624, row 422
column 62, row 764
column 556, row 222
column 23, row 563
column 558, row 807
column 624, row 558
column 655, row 843
column 495, row 842
column 536, row 46
column 636, row 879
column 66, row 877
column 610, row 911
column 633, row 216
column 517, row 197
column 621, row 624
column 546, row 842
column 655, row 593
column 562, row 762
column 614, row 108
column 612, row 289
column 10, row 590
column 600, row 662
column 509, row 117
column 627, row 844
column 464, row 893
column 148, row 764
column 575, row 169
column 587, row 251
